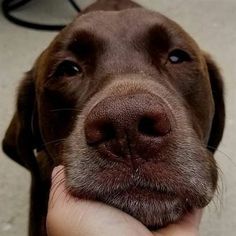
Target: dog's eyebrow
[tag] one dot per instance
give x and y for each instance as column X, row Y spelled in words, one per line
column 159, row 38
column 84, row 43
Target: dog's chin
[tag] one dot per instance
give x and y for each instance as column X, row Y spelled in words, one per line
column 153, row 209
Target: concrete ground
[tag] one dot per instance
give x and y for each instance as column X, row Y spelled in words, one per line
column 210, row 22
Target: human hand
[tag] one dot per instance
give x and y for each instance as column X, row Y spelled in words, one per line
column 74, row 217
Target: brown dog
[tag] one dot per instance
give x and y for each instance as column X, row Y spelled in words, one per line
column 132, row 107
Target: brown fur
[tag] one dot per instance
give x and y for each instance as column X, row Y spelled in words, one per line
column 126, row 74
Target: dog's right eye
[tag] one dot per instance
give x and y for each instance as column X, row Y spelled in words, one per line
column 68, row 68
column 179, row 56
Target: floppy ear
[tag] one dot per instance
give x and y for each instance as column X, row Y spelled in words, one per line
column 19, row 140
column 217, row 87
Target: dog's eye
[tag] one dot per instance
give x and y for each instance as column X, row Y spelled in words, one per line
column 68, row 68
column 178, row 56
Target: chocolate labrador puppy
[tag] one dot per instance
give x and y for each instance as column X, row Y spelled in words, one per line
column 132, row 107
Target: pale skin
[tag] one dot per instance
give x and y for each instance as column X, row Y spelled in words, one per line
column 76, row 217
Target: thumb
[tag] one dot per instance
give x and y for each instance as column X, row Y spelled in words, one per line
column 58, row 196
column 61, row 216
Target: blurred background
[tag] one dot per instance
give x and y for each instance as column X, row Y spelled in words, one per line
column 212, row 23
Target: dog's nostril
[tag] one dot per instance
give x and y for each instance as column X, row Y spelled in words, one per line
column 147, row 127
column 99, row 132
column 108, row 131
column 154, row 126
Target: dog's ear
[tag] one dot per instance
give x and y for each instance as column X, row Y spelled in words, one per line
column 19, row 141
column 217, row 87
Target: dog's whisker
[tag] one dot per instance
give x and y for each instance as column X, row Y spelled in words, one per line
column 59, row 195
column 67, row 194
column 54, row 190
column 219, row 192
column 65, row 109
column 54, row 141
column 57, row 174
column 56, row 183
column 224, row 154
column 56, row 187
column 218, row 200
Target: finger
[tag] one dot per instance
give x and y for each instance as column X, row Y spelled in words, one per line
column 187, row 226
column 58, row 192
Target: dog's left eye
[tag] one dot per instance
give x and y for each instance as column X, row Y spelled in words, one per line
column 68, row 68
column 178, row 56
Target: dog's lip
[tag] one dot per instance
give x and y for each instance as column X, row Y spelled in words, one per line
column 141, row 192
column 138, row 200
column 133, row 193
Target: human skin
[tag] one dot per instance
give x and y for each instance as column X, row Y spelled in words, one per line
column 70, row 216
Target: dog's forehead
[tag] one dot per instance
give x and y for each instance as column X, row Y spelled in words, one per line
column 123, row 23
column 120, row 19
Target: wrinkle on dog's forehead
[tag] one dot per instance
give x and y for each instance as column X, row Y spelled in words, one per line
column 121, row 24
column 119, row 18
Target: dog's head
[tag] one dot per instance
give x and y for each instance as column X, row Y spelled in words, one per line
column 132, row 107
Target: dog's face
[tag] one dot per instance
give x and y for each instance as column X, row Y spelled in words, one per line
column 129, row 104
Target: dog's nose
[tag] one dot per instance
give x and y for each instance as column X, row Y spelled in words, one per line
column 123, row 123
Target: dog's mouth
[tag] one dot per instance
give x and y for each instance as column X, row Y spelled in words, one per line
column 156, row 191
column 160, row 194
column 155, row 207
column 143, row 197
column 133, row 192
